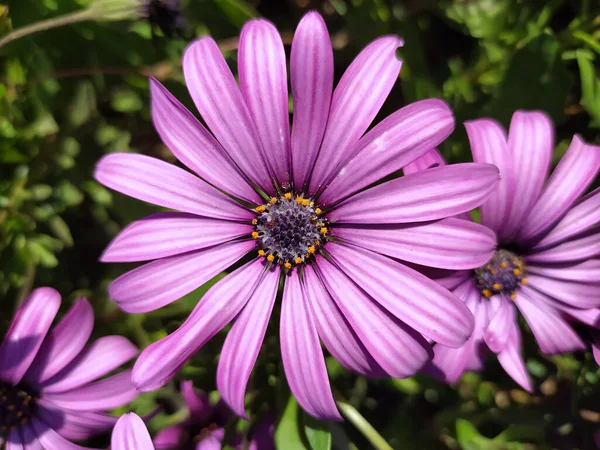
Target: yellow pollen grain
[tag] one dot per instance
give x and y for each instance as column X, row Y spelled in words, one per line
column 269, row 205
column 323, row 230
column 287, row 265
column 517, row 272
column 299, row 200
column 298, row 260
column 524, row 281
column 318, row 211
column 255, row 234
column 493, row 272
column 273, row 199
column 497, row 286
column 317, row 243
column 270, row 258
column 487, row 293
column 312, row 249
column 504, row 264
column 259, row 208
column 305, row 202
column 312, row 204
column 513, row 296
column 288, row 195
column 261, row 253
column 254, row 221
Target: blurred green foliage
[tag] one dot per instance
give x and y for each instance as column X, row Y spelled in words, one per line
column 72, row 94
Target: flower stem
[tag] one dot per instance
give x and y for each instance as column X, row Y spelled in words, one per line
column 55, row 22
column 367, row 430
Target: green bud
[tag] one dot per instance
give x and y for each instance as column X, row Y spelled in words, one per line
column 114, row 10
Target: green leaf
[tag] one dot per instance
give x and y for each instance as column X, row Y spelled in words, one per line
column 61, row 230
column 83, row 105
column 288, row 434
column 482, row 18
column 466, row 432
column 126, row 101
column 237, row 11
column 317, row 433
column 590, row 87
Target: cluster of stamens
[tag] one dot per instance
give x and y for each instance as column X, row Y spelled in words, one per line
column 289, row 229
column 501, row 275
column 16, row 406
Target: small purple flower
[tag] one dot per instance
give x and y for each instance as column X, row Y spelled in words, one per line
column 320, row 225
column 546, row 237
column 48, row 389
column 205, row 427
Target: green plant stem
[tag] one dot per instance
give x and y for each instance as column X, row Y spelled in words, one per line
column 367, row 430
column 55, row 22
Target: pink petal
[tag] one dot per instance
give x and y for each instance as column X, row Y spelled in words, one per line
column 588, row 270
column 29, row 437
column 220, row 102
column 301, row 353
column 429, row 160
column 579, row 219
column 392, row 144
column 197, row 403
column 311, row 72
column 77, row 425
column 63, row 343
column 576, row 294
column 51, row 440
column 410, row 296
column 159, row 362
column 574, row 173
column 356, row 101
column 169, row 438
column 154, row 181
column 585, row 246
column 429, row 195
column 335, row 331
column 596, row 353
column 27, row 332
column 167, row 234
column 209, row 443
column 446, row 244
column 130, row 433
column 194, row 146
column 14, row 441
column 530, row 143
column 495, row 334
column 398, row 350
column 552, row 332
column 161, row 282
column 101, row 357
column 511, row 360
column 263, row 82
column 243, row 343
column 489, row 144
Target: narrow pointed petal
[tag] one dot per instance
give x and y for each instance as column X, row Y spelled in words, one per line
column 243, row 343
column 194, row 146
column 154, row 181
column 51, row 440
column 429, row 160
column 495, row 334
column 63, row 343
column 410, row 296
column 77, row 425
column 167, row 234
column 220, row 102
column 511, row 359
column 160, row 361
column 398, row 349
column 263, row 82
column 392, row 144
column 429, row 195
column 585, row 271
column 130, row 433
column 29, row 437
column 530, row 144
column 302, row 355
column 589, row 317
column 449, row 363
column 356, row 101
column 574, row 173
column 552, row 333
column 335, row 331
column 197, row 403
column 105, row 394
column 585, row 246
column 100, row 358
column 489, row 144
column 579, row 219
column 446, row 244
column 576, row 294
column 311, row 73
column 26, row 333
column 161, row 282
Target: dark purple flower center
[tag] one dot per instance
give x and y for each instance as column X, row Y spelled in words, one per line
column 16, row 406
column 289, row 229
column 501, row 275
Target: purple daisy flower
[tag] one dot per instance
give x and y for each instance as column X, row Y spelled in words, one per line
column 546, row 237
column 321, row 226
column 204, row 429
column 48, row 389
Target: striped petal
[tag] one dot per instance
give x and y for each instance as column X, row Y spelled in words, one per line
column 429, row 160
column 130, row 433
column 576, row 294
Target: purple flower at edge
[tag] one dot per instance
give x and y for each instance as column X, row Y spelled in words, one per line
column 50, row 387
column 547, row 263
column 321, row 226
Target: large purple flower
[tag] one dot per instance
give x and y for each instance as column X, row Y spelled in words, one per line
column 48, row 389
column 547, row 239
column 320, row 225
